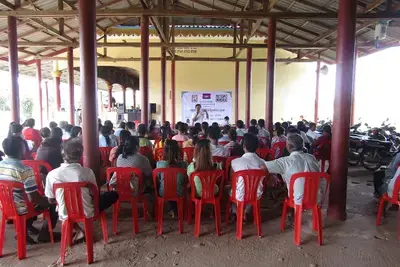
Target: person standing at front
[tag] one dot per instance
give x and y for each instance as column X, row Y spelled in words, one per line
column 199, row 114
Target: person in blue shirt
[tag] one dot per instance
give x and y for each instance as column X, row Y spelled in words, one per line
column 383, row 177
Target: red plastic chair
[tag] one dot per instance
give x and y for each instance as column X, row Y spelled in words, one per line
column 36, row 165
column 228, row 163
column 223, row 143
column 105, row 156
column 310, row 201
column 239, row 139
column 188, row 153
column 33, row 155
column 252, row 179
column 263, row 153
column 74, row 205
column 159, row 154
column 170, row 194
column 219, row 160
column 208, row 181
column 394, row 200
column 146, row 151
column 277, row 150
column 9, row 212
column 123, row 187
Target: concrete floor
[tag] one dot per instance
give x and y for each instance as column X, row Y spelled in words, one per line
column 356, row 242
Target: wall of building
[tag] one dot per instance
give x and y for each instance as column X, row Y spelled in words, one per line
column 294, row 91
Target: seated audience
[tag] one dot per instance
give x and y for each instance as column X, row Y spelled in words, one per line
column 12, row 169
column 226, row 121
column 76, row 132
column 50, row 150
column 322, row 146
column 69, row 172
column 131, row 158
column 198, row 127
column 204, row 130
column 104, row 139
column 202, row 161
column 130, row 125
column 225, row 137
column 45, row 132
column 64, row 126
column 216, row 149
column 143, row 141
column 235, row 148
column 116, row 151
column 303, row 129
column 298, row 161
column 192, row 138
column 385, row 179
column 262, row 131
column 120, row 128
column 253, row 122
column 312, row 133
column 53, row 125
column 172, row 160
column 277, row 125
column 249, row 161
column 110, row 125
column 240, row 130
column 181, row 136
column 153, row 131
column 32, row 134
column 16, row 130
column 215, row 125
column 280, row 136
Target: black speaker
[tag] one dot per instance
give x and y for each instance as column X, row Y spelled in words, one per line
column 153, row 108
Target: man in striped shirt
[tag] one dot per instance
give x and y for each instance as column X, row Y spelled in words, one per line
column 12, row 169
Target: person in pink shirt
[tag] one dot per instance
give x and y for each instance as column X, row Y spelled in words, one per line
column 181, row 136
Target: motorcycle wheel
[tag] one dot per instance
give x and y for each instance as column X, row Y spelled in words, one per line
column 370, row 162
column 353, row 159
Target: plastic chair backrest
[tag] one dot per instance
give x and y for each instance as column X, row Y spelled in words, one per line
column 7, row 204
column 263, row 153
column 123, row 181
column 33, row 155
column 36, row 165
column 221, row 160
column 105, row 156
column 251, row 179
column 239, row 139
column 277, row 150
column 159, row 154
column 208, row 181
column 73, row 198
column 188, row 152
column 180, row 143
column 170, row 180
column 228, row 163
column 146, row 151
column 396, row 191
column 223, row 143
column 311, row 187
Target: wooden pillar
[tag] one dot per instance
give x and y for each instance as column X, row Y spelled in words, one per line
column 345, row 50
column 57, row 81
column 317, row 89
column 88, row 62
column 46, row 83
column 144, row 79
column 39, row 83
column 71, row 85
column 110, row 96
column 163, row 83
column 269, row 107
column 237, row 85
column 13, row 67
column 249, row 60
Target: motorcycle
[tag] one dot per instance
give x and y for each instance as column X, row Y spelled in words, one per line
column 377, row 153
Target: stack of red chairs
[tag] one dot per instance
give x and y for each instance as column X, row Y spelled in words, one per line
column 264, row 153
column 277, row 150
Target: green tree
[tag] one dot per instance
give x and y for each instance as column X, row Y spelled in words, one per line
column 4, row 104
column 27, row 107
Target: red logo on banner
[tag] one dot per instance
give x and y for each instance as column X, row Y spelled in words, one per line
column 206, row 96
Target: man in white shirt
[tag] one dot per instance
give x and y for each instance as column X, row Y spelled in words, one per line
column 298, row 161
column 311, row 131
column 217, row 150
column 262, row 132
column 72, row 171
column 199, row 114
column 121, row 127
column 249, row 161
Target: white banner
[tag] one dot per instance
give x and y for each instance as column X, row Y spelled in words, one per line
column 217, row 104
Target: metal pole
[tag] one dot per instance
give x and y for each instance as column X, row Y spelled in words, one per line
column 269, row 107
column 353, row 93
column 47, row 101
column 248, row 84
column 39, row 82
column 71, row 85
column 341, row 118
column 124, row 97
column 110, row 103
column 134, row 98
column 173, row 93
column 13, row 66
column 317, row 90
column 87, row 29
column 144, row 79
column 163, row 83
column 237, row 84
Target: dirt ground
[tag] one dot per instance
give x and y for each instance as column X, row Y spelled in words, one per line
column 355, row 242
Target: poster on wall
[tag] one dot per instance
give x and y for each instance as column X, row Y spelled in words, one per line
column 217, row 104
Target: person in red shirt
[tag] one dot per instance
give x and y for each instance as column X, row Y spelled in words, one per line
column 322, row 146
column 32, row 134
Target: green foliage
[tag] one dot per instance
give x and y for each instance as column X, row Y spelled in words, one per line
column 27, row 107
column 4, row 104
